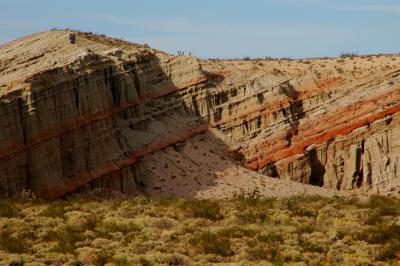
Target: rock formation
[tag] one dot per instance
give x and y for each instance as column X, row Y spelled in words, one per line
column 103, row 113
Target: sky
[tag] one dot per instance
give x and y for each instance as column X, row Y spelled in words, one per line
column 220, row 28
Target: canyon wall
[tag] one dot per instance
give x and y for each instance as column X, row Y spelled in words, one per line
column 101, row 113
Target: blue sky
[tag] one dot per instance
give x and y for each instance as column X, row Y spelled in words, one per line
column 220, row 28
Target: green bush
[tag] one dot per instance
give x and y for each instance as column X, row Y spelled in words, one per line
column 212, row 243
column 66, row 239
column 265, row 247
column 271, row 238
column 120, row 261
column 8, row 209
column 204, row 208
column 145, row 262
column 271, row 254
column 236, row 232
column 380, row 234
column 305, row 228
column 55, row 209
column 252, row 216
column 292, row 206
column 390, row 251
column 251, row 207
column 76, row 263
column 372, row 218
column 16, row 263
column 303, row 212
column 383, row 205
column 13, row 244
column 92, row 222
column 309, row 246
column 104, row 257
column 113, row 226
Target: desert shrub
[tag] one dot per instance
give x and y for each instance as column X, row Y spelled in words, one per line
column 340, row 234
column 120, row 261
column 203, row 208
column 176, row 259
column 383, row 205
column 309, row 246
column 340, row 70
column 66, row 239
column 248, row 197
column 258, row 253
column 380, row 234
column 140, row 200
column 291, row 205
column 16, row 263
column 303, row 212
column 251, row 206
column 13, row 244
column 164, row 223
column 27, row 233
column 8, row 209
column 64, row 247
column 252, row 216
column 111, row 225
column 116, row 203
column 145, row 262
column 92, row 222
column 75, row 263
column 28, row 196
column 54, row 209
column 271, row 238
column 348, row 54
column 288, row 204
column 165, row 201
column 390, row 251
column 345, row 202
column 104, row 257
column 212, row 243
column 133, row 236
column 372, row 218
column 236, row 232
column 305, row 228
column 265, row 247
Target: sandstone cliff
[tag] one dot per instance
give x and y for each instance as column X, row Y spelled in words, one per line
column 98, row 112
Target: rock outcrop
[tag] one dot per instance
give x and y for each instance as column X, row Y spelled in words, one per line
column 103, row 113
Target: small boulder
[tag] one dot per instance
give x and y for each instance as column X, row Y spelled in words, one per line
column 72, row 38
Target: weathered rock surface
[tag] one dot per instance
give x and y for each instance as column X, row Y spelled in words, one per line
column 103, row 113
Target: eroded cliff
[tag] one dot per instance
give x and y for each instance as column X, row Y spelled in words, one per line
column 98, row 112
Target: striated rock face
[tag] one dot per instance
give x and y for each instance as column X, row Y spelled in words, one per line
column 86, row 110
column 100, row 113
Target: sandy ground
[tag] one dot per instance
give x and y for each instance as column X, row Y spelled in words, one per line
column 202, row 167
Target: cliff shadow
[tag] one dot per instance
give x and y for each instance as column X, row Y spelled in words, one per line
column 317, row 169
column 296, row 110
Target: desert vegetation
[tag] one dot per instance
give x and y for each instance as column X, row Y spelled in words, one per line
column 245, row 230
